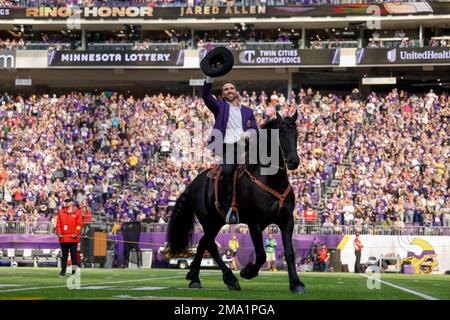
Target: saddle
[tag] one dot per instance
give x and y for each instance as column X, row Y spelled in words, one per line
column 215, row 175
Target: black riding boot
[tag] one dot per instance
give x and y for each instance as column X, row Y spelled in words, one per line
column 228, row 168
column 232, row 217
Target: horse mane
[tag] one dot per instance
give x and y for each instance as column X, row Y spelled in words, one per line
column 269, row 125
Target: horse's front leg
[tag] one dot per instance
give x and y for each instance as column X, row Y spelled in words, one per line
column 193, row 274
column 287, row 228
column 251, row 270
column 228, row 277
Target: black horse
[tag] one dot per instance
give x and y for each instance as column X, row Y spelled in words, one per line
column 261, row 199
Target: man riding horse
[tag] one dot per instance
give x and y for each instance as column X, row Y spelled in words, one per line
column 263, row 198
column 235, row 123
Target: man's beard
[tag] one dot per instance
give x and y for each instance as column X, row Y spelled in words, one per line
column 233, row 97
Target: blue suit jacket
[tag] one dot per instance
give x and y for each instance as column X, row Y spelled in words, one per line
column 221, row 111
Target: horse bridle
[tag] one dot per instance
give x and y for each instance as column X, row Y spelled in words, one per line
column 284, row 168
column 280, row 196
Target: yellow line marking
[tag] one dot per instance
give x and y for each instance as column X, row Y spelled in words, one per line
column 343, row 242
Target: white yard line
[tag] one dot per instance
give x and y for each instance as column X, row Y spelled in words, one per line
column 424, row 296
column 91, row 283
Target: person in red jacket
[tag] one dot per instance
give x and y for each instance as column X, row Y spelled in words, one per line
column 86, row 213
column 68, row 230
column 324, row 258
column 358, row 247
column 85, row 231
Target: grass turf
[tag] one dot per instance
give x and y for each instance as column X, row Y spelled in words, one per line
column 44, row 283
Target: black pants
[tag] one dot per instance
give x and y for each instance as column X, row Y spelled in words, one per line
column 88, row 255
column 358, row 261
column 128, row 247
column 105, row 197
column 230, row 157
column 323, row 266
column 65, row 248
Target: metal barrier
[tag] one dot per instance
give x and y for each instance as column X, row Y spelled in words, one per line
column 251, row 45
column 110, row 46
column 23, row 227
column 300, row 227
column 46, row 46
column 213, row 44
column 121, row 46
column 269, row 45
column 341, row 44
column 154, row 227
column 157, row 46
column 373, row 230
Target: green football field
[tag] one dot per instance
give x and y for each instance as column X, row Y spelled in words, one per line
column 44, row 283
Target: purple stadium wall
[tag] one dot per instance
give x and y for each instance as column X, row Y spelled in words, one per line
column 301, row 243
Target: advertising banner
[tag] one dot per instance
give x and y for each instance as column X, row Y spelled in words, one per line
column 420, row 56
column 158, row 58
column 284, row 57
column 221, row 12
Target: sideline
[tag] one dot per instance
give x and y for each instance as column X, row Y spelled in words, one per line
column 91, row 284
column 424, row 296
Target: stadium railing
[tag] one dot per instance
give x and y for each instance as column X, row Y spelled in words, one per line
column 341, row 44
column 157, row 46
column 22, row 227
column 390, row 43
column 46, row 46
column 121, row 46
column 269, row 45
column 249, row 45
column 373, row 230
column 47, row 227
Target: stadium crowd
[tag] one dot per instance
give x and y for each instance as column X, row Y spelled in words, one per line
column 400, row 161
column 100, row 150
column 112, row 154
column 10, row 44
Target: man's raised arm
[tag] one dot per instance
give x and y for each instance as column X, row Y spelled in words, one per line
column 208, row 98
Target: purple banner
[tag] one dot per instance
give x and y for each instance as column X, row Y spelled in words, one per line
column 302, row 244
column 29, row 241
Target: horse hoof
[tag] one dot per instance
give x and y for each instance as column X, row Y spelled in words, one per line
column 195, row 285
column 247, row 274
column 299, row 290
column 234, row 286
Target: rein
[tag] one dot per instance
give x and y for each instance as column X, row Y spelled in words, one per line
column 280, row 196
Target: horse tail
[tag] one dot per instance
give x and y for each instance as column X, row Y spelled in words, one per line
column 181, row 225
